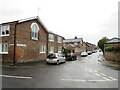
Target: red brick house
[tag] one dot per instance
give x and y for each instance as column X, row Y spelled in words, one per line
column 75, row 45
column 24, row 40
column 90, row 47
column 55, row 43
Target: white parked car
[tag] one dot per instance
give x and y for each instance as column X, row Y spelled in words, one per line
column 89, row 52
column 84, row 54
column 55, row 58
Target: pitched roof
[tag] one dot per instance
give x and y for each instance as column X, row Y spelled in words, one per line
column 75, row 46
column 113, row 40
column 73, row 40
column 27, row 19
column 33, row 18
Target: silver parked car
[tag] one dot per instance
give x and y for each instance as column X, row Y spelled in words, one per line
column 55, row 58
column 84, row 54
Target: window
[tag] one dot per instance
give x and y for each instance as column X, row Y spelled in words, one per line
column 59, row 39
column 75, row 43
column 51, row 37
column 34, row 31
column 42, row 49
column 5, row 30
column 59, row 49
column 51, row 49
column 3, row 48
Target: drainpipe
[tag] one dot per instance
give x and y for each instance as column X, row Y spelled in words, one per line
column 14, row 56
column 47, row 43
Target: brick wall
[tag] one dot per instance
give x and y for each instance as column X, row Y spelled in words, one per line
column 112, row 55
column 9, row 40
column 55, row 44
column 29, row 52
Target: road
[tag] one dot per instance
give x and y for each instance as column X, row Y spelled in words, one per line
column 85, row 72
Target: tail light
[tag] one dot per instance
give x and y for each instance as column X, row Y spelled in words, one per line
column 55, row 57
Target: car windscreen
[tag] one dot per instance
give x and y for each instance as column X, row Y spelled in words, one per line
column 51, row 56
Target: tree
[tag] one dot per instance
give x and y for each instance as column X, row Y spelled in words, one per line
column 101, row 43
column 66, row 51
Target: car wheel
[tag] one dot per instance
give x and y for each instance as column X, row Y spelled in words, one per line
column 47, row 63
column 72, row 58
column 75, row 58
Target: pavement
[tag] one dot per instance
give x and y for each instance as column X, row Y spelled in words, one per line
column 103, row 61
column 36, row 64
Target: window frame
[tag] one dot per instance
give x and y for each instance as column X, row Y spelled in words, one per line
column 59, row 39
column 3, row 49
column 4, row 28
column 42, row 49
column 59, row 49
column 51, row 49
column 34, row 33
column 51, row 37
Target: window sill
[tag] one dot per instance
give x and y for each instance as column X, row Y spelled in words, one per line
column 42, row 52
column 4, row 35
column 59, row 42
column 34, row 39
column 3, row 52
column 51, row 40
column 51, row 52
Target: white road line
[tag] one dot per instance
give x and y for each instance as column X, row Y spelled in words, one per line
column 20, row 77
column 106, row 78
column 112, row 78
column 99, row 74
column 103, row 74
column 84, row 80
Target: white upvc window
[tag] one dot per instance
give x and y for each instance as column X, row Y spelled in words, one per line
column 59, row 49
column 51, row 37
column 34, row 31
column 51, row 49
column 76, row 43
column 59, row 39
column 43, row 49
column 4, row 30
column 4, row 48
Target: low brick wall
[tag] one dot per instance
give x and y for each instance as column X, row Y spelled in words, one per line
column 114, row 56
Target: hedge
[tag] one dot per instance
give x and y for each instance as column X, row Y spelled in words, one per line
column 112, row 48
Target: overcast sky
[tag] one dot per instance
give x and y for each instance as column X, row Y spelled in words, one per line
column 90, row 19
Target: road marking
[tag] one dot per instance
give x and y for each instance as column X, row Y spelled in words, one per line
column 106, row 78
column 79, row 80
column 112, row 78
column 99, row 74
column 20, row 77
column 103, row 74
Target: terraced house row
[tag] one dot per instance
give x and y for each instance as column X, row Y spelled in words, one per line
column 27, row 40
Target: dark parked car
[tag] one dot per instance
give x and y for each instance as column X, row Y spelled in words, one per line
column 70, row 56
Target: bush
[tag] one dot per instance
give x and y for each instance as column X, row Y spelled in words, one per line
column 109, row 48
column 112, row 48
